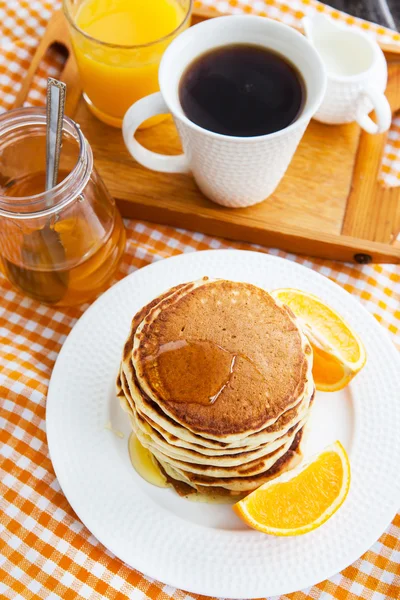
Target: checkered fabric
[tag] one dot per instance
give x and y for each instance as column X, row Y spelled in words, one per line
column 45, row 551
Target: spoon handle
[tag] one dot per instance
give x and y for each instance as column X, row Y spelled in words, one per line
column 56, row 91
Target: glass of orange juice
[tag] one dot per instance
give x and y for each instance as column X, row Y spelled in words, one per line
column 118, row 46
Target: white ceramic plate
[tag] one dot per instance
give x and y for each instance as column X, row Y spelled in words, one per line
column 200, row 547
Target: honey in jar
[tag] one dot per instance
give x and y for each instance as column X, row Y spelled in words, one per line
column 60, row 247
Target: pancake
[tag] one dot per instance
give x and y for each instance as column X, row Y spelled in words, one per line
column 248, row 324
column 238, row 485
column 148, row 439
column 216, row 379
column 197, row 451
column 198, row 454
column 254, row 467
column 172, row 431
column 176, row 435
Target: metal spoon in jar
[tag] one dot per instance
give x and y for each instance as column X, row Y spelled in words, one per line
column 43, row 247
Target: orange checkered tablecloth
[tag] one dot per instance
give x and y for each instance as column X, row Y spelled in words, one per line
column 45, row 551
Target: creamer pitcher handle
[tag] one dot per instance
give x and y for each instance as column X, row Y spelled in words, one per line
column 143, row 109
column 382, row 109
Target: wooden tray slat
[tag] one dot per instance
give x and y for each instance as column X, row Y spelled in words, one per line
column 371, row 211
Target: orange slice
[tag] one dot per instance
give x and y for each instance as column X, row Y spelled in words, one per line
column 302, row 499
column 338, row 352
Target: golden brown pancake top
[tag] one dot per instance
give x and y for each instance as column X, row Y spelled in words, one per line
column 236, row 359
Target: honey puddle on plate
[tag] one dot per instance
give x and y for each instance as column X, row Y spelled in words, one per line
column 144, row 463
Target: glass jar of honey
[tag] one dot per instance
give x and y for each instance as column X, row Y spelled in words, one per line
column 62, row 246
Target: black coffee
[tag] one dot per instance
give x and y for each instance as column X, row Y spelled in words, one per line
column 242, row 90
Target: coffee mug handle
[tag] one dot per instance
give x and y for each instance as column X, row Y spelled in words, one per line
column 143, row 109
column 382, row 109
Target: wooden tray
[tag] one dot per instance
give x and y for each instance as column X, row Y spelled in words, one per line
column 329, row 204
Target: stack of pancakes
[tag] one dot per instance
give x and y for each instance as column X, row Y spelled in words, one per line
column 216, row 379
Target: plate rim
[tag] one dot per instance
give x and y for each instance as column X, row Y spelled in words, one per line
column 75, row 331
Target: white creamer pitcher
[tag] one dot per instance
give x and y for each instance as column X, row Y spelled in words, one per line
column 357, row 75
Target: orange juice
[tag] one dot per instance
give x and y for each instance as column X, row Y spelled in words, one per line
column 118, row 46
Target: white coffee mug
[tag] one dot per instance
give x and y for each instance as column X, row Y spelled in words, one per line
column 356, row 71
column 232, row 171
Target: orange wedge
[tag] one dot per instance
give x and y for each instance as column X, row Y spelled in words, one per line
column 338, row 352
column 301, row 499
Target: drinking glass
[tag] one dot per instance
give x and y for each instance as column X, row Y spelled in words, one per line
column 113, row 76
column 62, row 246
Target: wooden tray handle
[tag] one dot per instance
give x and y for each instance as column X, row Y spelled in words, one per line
column 56, row 33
